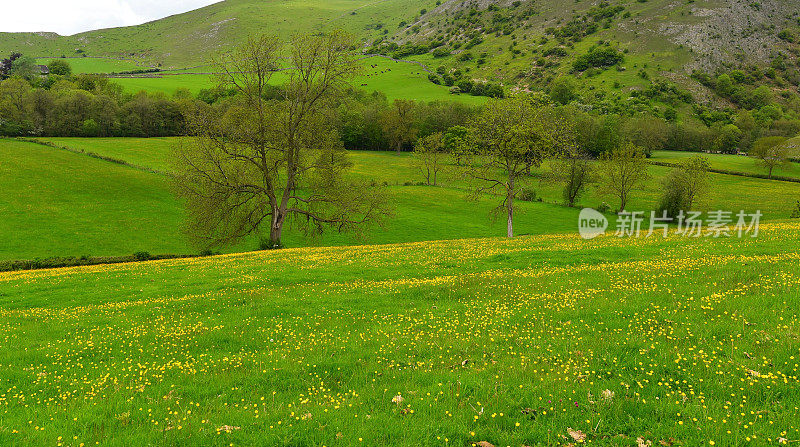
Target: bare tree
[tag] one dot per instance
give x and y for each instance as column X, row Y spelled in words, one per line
column 573, row 170
column 430, row 157
column 257, row 162
column 509, row 138
column 623, row 170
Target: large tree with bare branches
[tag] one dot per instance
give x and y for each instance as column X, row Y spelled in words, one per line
column 258, row 161
column 508, row 138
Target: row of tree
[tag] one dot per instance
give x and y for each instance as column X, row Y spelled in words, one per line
column 89, row 106
column 61, row 104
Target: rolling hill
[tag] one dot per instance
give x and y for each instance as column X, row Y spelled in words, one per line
column 521, row 43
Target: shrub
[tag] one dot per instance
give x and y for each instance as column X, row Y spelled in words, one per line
column 599, row 57
column 141, row 256
column 796, row 211
column 528, row 195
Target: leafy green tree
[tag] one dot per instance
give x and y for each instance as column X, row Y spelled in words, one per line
column 771, row 152
column 59, row 67
column 728, row 138
column 683, row 186
column 648, row 132
column 398, row 123
column 257, row 162
column 24, row 67
column 574, row 171
column 562, row 90
column 508, row 138
column 456, row 142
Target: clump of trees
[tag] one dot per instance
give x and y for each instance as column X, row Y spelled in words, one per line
column 598, row 57
column 85, row 105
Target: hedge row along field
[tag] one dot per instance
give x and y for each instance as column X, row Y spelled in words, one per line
column 542, row 340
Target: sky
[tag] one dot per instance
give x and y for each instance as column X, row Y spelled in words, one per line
column 68, row 17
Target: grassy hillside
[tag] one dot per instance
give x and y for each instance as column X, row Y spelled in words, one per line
column 524, row 44
column 736, row 163
column 188, row 39
column 57, row 203
column 533, row 341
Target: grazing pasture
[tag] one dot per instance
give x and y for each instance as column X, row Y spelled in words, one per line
column 396, row 79
column 540, row 340
column 97, row 65
column 727, row 192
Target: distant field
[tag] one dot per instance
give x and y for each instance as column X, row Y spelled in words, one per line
column 739, row 163
column 532, row 341
column 93, row 65
column 396, row 79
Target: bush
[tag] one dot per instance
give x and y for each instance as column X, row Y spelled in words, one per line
column 441, row 52
column 528, row 195
column 796, row 211
column 141, row 256
column 603, row 207
column 598, row 57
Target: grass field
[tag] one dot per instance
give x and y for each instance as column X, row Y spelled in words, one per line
column 57, row 203
column 533, row 341
column 85, row 206
column 737, row 163
column 775, row 199
column 95, row 65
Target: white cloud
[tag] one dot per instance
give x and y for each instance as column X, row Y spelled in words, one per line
column 74, row 16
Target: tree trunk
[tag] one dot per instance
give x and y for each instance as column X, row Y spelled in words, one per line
column 275, row 231
column 510, row 208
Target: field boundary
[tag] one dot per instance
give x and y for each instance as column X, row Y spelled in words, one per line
column 729, row 172
column 93, row 155
column 82, row 261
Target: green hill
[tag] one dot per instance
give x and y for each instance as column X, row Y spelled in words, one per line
column 188, row 39
column 521, row 43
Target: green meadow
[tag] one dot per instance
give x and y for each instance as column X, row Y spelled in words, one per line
column 737, row 163
column 537, row 340
column 97, row 65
